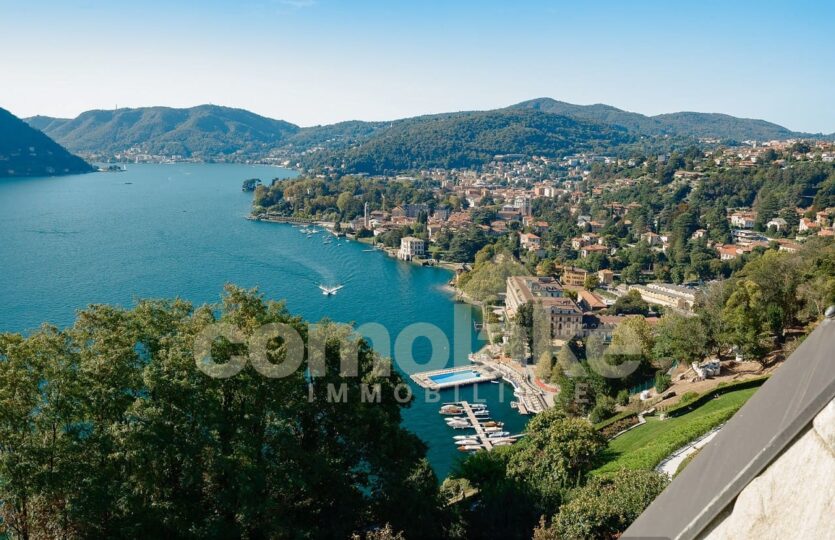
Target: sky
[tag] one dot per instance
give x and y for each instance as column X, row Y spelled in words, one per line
column 322, row 61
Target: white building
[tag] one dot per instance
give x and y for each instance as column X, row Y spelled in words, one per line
column 411, row 247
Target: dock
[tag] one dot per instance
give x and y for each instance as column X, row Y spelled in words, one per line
column 479, row 429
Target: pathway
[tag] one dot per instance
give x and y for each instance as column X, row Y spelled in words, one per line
column 671, row 464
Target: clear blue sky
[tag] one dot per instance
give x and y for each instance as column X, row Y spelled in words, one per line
column 320, row 61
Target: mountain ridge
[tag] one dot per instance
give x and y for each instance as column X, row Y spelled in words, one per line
column 26, row 151
column 209, row 132
column 692, row 123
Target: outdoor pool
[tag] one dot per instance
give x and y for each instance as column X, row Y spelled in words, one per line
column 456, row 377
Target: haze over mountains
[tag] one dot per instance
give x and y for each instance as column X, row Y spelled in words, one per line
column 541, row 126
column 25, row 151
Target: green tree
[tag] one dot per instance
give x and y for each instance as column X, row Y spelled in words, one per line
column 110, row 430
column 555, row 455
column 681, row 338
column 605, row 507
column 630, row 303
column 745, row 321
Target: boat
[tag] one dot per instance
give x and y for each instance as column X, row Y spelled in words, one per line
column 492, row 429
column 447, row 409
column 330, row 291
column 465, row 442
column 482, row 412
column 470, row 447
column 499, row 434
column 503, row 442
column 494, row 381
column 461, row 437
column 492, row 423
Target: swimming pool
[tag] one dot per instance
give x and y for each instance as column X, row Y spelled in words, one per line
column 456, row 377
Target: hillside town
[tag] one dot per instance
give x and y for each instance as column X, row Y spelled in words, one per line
column 593, row 241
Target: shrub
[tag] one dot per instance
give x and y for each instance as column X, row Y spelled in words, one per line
column 687, row 397
column 662, row 381
column 603, row 409
column 623, row 398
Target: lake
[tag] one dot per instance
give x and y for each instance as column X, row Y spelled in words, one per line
column 179, row 230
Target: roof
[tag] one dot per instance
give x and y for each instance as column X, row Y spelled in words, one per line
column 765, row 426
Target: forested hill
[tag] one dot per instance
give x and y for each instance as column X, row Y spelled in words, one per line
column 544, row 126
column 689, row 124
column 25, row 151
column 205, row 131
column 470, row 138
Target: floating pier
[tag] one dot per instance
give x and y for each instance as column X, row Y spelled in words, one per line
column 479, row 429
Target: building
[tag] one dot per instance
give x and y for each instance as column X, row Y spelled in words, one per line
column 778, row 224
column 728, row 252
column 523, row 289
column 806, row 225
column 411, row 247
column 667, row 295
column 530, row 241
column 589, row 301
column 565, row 317
column 606, row 277
column 574, row 277
column 596, row 248
column 412, row 210
column 743, row 220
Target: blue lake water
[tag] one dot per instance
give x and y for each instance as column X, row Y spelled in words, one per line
column 179, row 230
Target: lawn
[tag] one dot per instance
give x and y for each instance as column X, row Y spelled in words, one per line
column 646, row 446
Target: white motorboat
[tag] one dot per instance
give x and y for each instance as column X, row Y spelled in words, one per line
column 464, row 442
column 330, row 291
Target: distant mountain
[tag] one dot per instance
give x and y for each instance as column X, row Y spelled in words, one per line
column 205, row 131
column 333, row 136
column 689, row 124
column 541, row 126
column 25, row 151
column 470, row 138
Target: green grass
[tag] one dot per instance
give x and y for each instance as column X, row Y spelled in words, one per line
column 646, row 446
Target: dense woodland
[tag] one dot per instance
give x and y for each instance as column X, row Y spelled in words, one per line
column 469, row 139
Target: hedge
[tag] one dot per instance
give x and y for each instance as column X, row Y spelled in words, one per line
column 609, row 421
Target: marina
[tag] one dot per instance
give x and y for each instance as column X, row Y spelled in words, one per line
column 474, row 416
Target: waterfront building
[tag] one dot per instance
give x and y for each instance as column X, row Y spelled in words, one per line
column 564, row 315
column 411, row 247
